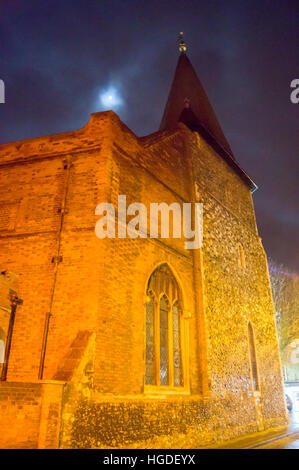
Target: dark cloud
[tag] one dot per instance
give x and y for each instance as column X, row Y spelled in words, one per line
column 57, row 56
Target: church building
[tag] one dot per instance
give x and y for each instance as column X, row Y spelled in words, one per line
column 123, row 342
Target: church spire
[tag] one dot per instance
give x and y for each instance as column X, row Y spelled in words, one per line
column 188, row 102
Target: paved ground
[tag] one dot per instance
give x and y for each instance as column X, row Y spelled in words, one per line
column 291, row 442
column 269, row 439
column 294, row 419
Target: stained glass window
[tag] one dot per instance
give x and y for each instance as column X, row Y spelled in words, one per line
column 163, row 356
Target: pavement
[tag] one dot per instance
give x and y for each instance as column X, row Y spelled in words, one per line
column 285, row 443
column 283, row 438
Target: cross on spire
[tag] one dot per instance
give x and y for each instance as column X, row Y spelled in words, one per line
column 182, row 44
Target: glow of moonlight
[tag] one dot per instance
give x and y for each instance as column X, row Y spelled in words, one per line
column 110, row 98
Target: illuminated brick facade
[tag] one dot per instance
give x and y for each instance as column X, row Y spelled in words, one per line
column 77, row 362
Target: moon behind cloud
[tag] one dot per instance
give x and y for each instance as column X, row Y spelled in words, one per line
column 110, row 98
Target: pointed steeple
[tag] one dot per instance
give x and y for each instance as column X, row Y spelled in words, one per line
column 188, row 102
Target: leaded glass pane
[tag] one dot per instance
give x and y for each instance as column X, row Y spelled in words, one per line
column 177, row 360
column 150, row 361
column 164, row 354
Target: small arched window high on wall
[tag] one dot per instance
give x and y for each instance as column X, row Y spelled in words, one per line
column 241, row 256
column 164, row 330
column 253, row 362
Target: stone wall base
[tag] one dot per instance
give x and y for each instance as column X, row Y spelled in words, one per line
column 156, row 423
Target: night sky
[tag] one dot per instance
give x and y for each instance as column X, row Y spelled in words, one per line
column 58, row 58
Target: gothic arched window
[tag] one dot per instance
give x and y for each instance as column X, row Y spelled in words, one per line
column 253, row 363
column 164, row 325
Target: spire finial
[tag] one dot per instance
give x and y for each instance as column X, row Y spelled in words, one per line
column 182, row 44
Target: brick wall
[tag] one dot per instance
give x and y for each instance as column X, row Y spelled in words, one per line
column 20, row 405
column 37, row 178
column 30, row 414
column 51, row 186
